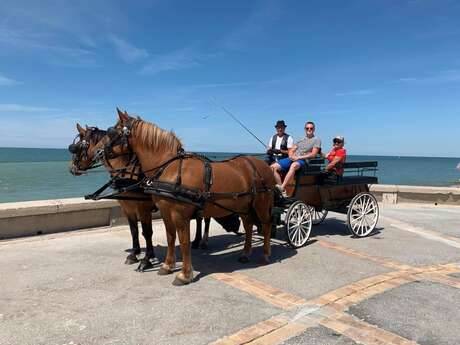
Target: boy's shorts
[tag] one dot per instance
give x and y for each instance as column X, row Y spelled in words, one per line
column 285, row 163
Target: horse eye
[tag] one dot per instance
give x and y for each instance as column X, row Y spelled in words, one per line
column 112, row 132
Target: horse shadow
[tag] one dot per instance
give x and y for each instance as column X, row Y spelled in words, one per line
column 223, row 253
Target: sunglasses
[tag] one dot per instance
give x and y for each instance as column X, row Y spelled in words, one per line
column 337, row 142
column 309, row 128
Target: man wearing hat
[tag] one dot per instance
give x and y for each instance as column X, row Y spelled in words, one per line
column 279, row 145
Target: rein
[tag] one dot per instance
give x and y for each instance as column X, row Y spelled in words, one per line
column 175, row 190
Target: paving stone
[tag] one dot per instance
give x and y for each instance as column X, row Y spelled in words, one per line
column 424, row 312
column 319, row 336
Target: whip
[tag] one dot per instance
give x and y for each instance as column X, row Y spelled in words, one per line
column 238, row 121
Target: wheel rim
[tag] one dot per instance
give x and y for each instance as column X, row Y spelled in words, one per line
column 298, row 224
column 363, row 215
column 317, row 216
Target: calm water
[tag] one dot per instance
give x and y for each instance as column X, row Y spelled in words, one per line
column 36, row 174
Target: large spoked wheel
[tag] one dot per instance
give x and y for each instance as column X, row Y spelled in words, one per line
column 297, row 224
column 363, row 214
column 318, row 216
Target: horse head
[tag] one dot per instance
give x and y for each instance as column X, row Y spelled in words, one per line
column 86, row 149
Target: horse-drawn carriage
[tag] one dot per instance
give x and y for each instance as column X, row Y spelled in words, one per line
column 312, row 196
column 184, row 186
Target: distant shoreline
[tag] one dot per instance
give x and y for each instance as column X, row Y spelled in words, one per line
column 244, row 153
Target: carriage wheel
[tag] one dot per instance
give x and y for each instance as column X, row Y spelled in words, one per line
column 363, row 214
column 318, row 216
column 297, row 224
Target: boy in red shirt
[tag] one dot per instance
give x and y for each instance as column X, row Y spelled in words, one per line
column 336, row 157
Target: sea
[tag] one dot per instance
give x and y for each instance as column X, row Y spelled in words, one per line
column 39, row 174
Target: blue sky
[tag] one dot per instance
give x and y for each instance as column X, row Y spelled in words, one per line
column 385, row 74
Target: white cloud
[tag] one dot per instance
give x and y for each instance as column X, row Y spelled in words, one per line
column 13, row 107
column 128, row 52
column 5, row 81
column 61, row 32
column 356, row 93
column 253, row 27
column 176, row 60
column 452, row 75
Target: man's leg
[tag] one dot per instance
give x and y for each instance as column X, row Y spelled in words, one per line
column 276, row 172
column 290, row 175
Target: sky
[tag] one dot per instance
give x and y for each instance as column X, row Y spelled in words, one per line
column 384, row 74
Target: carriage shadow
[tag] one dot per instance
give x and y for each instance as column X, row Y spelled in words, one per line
column 337, row 227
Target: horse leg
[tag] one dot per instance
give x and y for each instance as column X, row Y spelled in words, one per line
column 197, row 241
column 263, row 209
column 204, row 241
column 170, row 261
column 132, row 257
column 146, row 262
column 186, row 275
column 266, row 227
column 247, row 224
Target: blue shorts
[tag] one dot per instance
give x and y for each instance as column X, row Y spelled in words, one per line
column 285, row 163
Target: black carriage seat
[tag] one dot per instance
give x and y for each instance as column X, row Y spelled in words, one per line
column 355, row 173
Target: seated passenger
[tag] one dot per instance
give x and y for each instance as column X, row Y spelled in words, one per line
column 336, row 157
column 279, row 145
column 306, row 148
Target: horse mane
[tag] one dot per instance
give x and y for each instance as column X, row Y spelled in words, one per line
column 155, row 138
column 97, row 134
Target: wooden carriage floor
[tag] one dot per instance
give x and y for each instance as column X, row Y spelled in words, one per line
column 398, row 286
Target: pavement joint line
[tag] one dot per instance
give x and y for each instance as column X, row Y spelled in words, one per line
column 330, row 306
column 442, row 279
column 355, row 253
column 363, row 332
column 263, row 291
column 428, row 234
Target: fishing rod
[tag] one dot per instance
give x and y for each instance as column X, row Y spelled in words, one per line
column 238, row 121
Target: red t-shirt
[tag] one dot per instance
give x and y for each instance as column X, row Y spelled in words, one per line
column 342, row 153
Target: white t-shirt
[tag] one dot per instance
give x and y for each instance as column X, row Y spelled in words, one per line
column 279, row 140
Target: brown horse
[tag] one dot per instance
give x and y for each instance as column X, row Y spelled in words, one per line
column 243, row 185
column 137, row 210
column 83, row 158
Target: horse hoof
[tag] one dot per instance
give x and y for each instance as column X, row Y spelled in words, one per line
column 265, row 260
column 164, row 270
column 204, row 245
column 131, row 259
column 195, row 245
column 144, row 265
column 181, row 280
column 243, row 259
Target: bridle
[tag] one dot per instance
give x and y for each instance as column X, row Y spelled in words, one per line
column 80, row 146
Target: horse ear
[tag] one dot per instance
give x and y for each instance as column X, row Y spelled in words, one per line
column 80, row 129
column 119, row 112
column 123, row 117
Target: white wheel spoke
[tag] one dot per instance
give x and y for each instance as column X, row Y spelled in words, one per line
column 362, row 214
column 298, row 222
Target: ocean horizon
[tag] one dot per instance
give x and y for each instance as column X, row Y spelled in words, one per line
column 38, row 174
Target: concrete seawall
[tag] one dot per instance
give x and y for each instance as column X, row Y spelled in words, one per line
column 48, row 216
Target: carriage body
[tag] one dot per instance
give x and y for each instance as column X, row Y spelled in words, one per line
column 311, row 197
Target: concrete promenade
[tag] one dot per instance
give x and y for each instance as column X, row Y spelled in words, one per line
column 398, row 286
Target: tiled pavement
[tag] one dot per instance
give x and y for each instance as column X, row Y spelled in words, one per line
column 72, row 288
